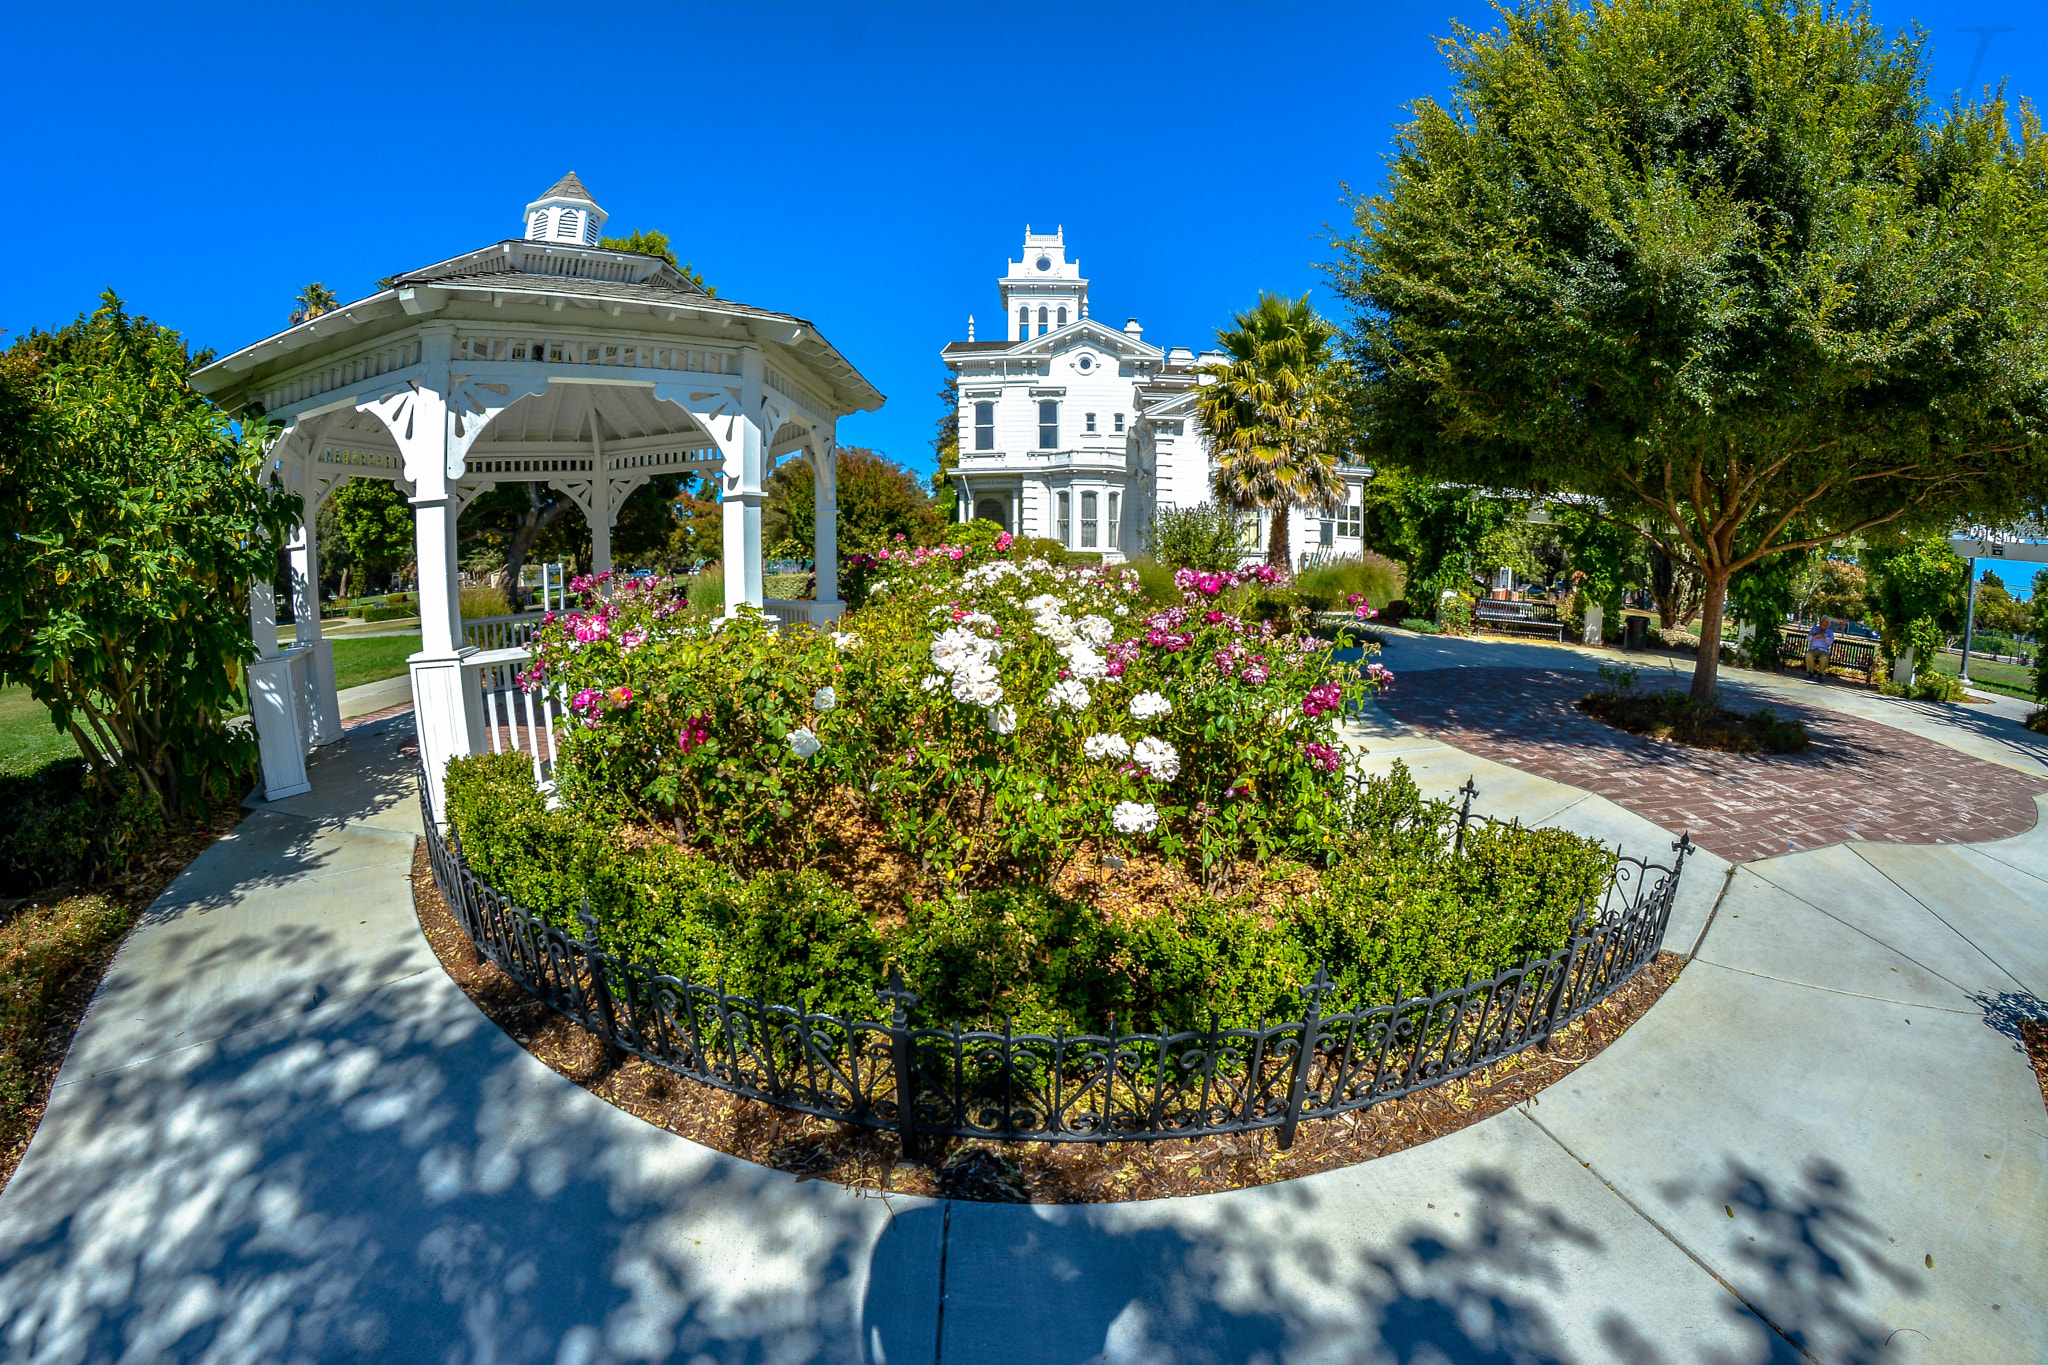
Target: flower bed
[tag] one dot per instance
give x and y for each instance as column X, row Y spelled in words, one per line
column 1041, row 798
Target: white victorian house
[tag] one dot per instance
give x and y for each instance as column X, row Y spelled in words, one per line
column 1079, row 432
column 539, row 358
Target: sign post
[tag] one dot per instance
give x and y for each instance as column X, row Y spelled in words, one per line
column 1990, row 546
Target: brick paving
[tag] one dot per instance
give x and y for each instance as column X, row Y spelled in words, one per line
column 1861, row 780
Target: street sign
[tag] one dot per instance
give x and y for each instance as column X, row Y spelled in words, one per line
column 2030, row 551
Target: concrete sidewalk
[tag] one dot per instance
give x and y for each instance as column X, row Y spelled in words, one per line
column 284, row 1134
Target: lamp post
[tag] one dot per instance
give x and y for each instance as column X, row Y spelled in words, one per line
column 1969, row 623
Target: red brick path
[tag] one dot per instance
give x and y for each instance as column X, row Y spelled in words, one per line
column 1861, row 780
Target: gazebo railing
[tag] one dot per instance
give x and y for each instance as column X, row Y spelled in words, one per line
column 945, row 1081
column 517, row 720
column 501, row 632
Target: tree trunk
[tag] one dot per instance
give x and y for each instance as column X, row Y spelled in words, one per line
column 1706, row 673
column 537, row 519
column 1276, row 543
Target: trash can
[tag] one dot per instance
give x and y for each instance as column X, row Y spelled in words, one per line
column 1635, row 634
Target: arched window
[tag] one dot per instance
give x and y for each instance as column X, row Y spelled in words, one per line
column 1023, row 322
column 1041, row 317
column 992, row 509
column 1087, row 521
column 1063, row 317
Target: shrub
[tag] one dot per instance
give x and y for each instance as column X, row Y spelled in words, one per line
column 1400, row 909
column 1676, row 716
column 391, row 613
column 2038, row 721
column 67, row 824
column 1209, row 537
column 1419, row 626
column 1155, row 579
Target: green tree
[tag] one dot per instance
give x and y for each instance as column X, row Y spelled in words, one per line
column 139, row 518
column 2039, row 601
column 1438, row 531
column 946, row 447
column 315, row 299
column 1918, row 590
column 1269, row 414
column 1707, row 262
column 656, row 244
column 376, row 527
column 878, row 501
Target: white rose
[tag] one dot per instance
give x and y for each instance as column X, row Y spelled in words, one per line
column 1134, row 817
column 1156, row 757
column 1084, row 662
column 1071, row 695
column 1096, row 630
column 1106, row 746
column 804, row 742
column 1146, row 705
column 933, row 682
column 1002, row 719
column 824, row 699
column 844, row 639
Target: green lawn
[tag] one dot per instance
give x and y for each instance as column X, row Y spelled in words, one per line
column 364, row 661
column 2010, row 679
column 28, row 740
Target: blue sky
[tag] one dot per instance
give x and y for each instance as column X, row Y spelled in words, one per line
column 869, row 167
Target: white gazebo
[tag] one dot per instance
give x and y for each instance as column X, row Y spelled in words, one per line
column 545, row 358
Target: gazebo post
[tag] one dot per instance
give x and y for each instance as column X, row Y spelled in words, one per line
column 447, row 697
column 825, row 510
column 326, row 700
column 742, row 493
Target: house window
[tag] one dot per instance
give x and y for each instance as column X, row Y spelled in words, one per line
column 1088, row 522
column 1119, row 421
column 993, row 509
column 1091, row 422
column 1329, row 535
column 1023, row 323
column 1065, row 528
column 1048, row 425
column 1109, row 532
column 1041, row 317
column 984, row 426
column 1063, row 317
column 1351, row 521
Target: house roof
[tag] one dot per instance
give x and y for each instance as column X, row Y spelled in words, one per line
column 1109, row 338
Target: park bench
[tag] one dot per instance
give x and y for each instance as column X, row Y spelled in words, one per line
column 1515, row 618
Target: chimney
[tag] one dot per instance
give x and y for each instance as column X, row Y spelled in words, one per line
column 1134, row 331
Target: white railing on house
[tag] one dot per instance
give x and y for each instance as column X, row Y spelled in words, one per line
column 516, row 720
column 501, row 632
column 791, row 613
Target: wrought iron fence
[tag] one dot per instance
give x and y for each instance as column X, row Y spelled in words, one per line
column 924, row 1081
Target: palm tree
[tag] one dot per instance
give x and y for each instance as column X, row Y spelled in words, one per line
column 315, row 299
column 1267, row 412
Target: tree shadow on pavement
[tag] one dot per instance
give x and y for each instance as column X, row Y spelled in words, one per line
column 1275, row 1275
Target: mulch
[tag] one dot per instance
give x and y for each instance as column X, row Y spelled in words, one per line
column 133, row 889
column 1009, row 1172
column 2034, row 1033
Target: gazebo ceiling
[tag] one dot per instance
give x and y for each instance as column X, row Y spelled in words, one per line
column 574, row 414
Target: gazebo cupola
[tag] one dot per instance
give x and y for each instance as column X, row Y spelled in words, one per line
column 566, row 213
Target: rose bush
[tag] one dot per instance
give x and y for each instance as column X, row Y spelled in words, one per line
column 1038, row 791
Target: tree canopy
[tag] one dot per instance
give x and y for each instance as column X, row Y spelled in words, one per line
column 139, row 518
column 653, row 243
column 1711, row 263
column 878, row 501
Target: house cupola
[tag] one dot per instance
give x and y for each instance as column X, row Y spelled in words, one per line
column 566, row 213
